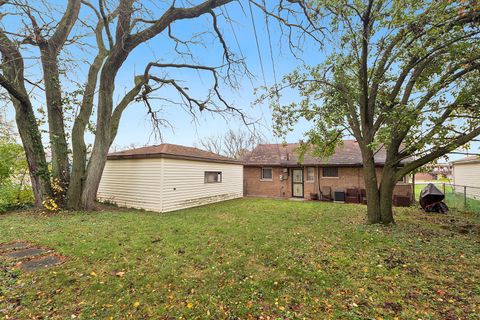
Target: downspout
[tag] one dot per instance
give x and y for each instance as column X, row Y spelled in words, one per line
column 318, row 184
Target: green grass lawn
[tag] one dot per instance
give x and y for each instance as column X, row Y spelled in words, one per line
column 247, row 258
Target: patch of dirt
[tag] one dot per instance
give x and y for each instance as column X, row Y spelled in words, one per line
column 28, row 257
column 449, row 315
column 24, row 253
column 17, row 245
column 394, row 260
column 393, row 306
column 413, row 295
column 462, row 228
column 41, row 262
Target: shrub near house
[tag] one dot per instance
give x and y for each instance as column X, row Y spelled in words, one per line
column 14, row 189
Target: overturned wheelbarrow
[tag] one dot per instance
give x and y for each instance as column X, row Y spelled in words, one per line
column 431, row 199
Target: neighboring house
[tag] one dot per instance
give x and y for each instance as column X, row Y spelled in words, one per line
column 274, row 170
column 169, row 177
column 435, row 172
column 466, row 172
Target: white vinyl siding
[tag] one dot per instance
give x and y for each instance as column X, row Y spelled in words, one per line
column 467, row 174
column 132, row 183
column 164, row 185
column 184, row 183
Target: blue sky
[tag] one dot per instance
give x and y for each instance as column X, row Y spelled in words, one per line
column 135, row 127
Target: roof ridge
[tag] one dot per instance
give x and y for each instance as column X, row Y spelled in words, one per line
column 172, row 150
column 346, row 154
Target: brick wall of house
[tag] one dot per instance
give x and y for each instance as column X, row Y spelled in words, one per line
column 403, row 189
column 348, row 177
column 425, row 176
column 274, row 188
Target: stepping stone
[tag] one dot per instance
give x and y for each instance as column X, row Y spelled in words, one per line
column 14, row 246
column 24, row 253
column 41, row 263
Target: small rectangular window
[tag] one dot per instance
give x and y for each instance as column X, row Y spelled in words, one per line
column 213, row 176
column 267, row 174
column 310, row 173
column 330, row 172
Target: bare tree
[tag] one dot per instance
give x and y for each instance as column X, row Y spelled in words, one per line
column 233, row 144
column 102, row 35
column 113, row 30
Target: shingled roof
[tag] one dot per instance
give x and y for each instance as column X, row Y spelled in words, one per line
column 167, row 150
column 345, row 155
column 469, row 159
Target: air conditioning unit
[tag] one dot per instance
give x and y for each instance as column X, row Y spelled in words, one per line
column 339, row 196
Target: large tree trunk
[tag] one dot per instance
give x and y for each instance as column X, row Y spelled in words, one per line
column 373, row 194
column 79, row 148
column 53, row 93
column 79, row 161
column 386, row 195
column 32, row 144
column 97, row 161
column 13, row 72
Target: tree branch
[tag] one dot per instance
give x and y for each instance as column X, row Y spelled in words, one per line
column 57, row 40
column 126, row 100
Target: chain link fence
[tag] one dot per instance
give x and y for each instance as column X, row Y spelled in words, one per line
column 463, row 198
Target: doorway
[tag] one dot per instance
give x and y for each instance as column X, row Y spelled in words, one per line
column 297, row 183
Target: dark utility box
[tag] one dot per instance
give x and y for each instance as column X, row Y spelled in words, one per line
column 339, row 196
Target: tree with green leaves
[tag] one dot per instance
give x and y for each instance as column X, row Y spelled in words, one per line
column 399, row 75
column 14, row 190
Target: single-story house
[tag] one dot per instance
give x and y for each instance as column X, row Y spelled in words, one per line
column 466, row 172
column 169, row 177
column 434, row 172
column 274, row 170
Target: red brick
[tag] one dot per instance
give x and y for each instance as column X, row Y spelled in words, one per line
column 348, row 177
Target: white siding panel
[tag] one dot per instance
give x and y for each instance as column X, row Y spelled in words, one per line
column 132, row 183
column 468, row 174
column 164, row 185
column 184, row 185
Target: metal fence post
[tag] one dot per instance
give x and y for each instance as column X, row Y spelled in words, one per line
column 465, row 197
column 413, row 188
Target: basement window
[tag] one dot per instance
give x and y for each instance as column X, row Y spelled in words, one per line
column 267, row 174
column 330, row 172
column 213, row 176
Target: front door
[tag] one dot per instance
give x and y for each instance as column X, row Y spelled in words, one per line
column 297, row 183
